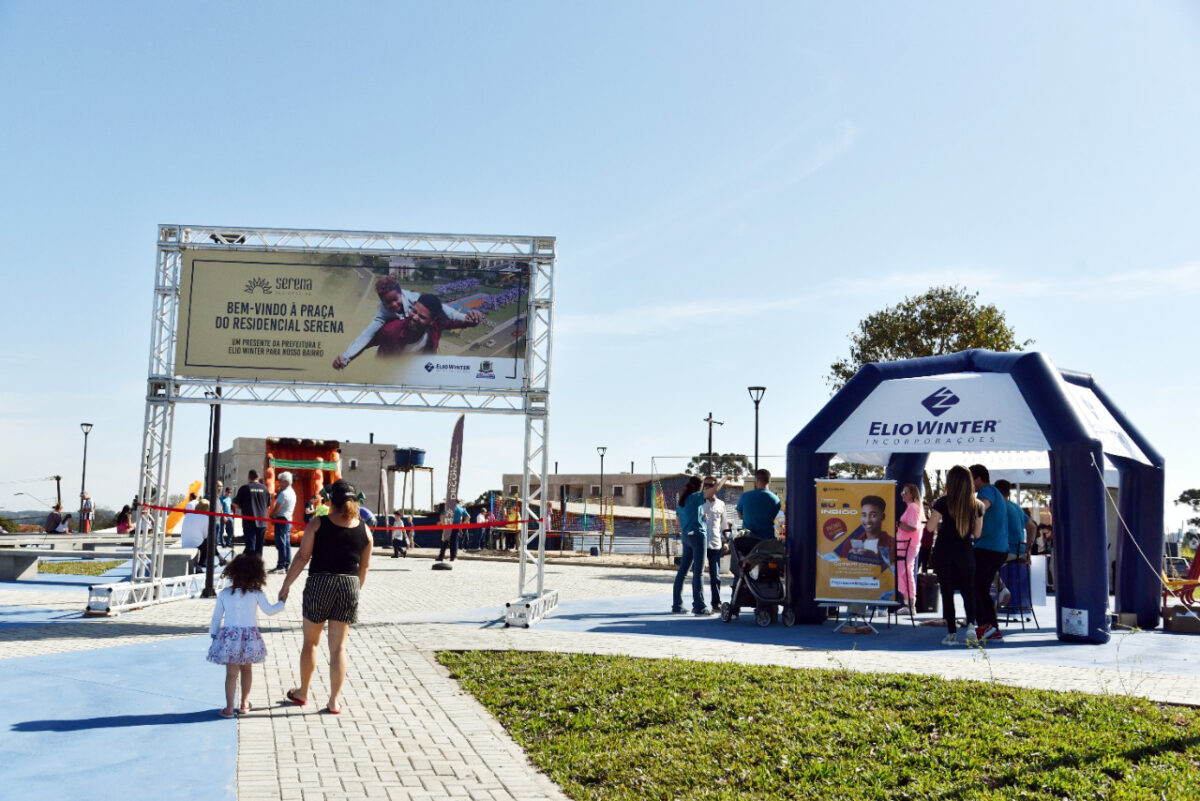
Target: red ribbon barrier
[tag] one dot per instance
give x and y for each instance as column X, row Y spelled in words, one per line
column 430, row 527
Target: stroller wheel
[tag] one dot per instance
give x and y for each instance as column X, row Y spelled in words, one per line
column 727, row 613
column 762, row 617
column 789, row 617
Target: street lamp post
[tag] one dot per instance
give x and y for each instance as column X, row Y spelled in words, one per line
column 600, row 449
column 379, row 507
column 86, row 428
column 756, row 395
column 210, row 478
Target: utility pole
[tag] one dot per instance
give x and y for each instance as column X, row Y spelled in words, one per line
column 58, row 488
column 711, row 422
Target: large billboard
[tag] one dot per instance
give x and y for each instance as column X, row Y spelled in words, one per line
column 445, row 321
column 856, row 552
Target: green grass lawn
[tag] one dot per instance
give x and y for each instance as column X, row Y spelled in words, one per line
column 619, row 727
column 91, row 567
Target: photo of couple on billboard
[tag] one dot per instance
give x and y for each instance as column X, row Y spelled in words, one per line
column 414, row 316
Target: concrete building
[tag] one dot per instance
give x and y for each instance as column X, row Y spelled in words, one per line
column 628, row 489
column 360, row 461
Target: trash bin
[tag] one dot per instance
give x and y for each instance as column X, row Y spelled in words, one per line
column 928, row 599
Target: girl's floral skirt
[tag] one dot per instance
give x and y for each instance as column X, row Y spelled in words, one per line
column 237, row 646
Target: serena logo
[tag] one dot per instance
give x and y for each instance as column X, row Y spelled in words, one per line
column 940, row 402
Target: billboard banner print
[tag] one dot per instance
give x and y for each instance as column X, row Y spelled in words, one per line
column 434, row 322
column 856, row 543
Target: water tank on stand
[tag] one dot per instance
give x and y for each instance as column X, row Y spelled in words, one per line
column 408, row 458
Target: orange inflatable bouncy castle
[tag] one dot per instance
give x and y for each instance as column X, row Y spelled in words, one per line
column 313, row 463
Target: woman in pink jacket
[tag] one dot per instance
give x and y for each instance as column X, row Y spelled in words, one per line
column 912, row 523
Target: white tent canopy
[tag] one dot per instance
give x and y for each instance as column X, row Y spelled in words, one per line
column 1026, row 468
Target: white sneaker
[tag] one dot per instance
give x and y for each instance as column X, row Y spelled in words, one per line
column 950, row 639
column 972, row 637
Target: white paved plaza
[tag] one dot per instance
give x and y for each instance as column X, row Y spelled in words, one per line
column 409, row 732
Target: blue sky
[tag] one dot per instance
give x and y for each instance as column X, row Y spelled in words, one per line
column 733, row 187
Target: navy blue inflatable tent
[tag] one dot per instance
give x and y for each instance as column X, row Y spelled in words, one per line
column 978, row 400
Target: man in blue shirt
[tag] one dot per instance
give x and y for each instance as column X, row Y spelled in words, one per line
column 450, row 535
column 758, row 507
column 226, row 503
column 1020, row 530
column 991, row 551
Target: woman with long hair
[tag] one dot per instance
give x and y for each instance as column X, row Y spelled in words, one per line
column 125, row 520
column 339, row 548
column 690, row 510
column 908, row 531
column 958, row 519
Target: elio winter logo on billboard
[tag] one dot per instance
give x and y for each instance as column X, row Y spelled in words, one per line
column 431, row 366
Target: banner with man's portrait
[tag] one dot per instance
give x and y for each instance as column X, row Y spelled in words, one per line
column 856, row 541
column 431, row 322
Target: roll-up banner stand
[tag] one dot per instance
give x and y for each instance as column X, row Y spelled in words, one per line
column 856, row 543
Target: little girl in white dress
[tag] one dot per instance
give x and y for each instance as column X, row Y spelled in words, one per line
column 237, row 644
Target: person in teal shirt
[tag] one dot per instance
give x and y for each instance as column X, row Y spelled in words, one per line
column 450, row 535
column 991, row 551
column 759, row 506
column 690, row 510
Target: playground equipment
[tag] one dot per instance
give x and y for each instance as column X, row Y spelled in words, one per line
column 175, row 518
column 314, row 464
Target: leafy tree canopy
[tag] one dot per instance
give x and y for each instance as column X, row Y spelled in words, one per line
column 945, row 319
column 1190, row 498
column 730, row 465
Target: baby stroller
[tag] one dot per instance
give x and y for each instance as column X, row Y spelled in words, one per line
column 760, row 580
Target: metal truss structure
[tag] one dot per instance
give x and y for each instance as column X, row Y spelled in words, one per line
column 165, row 389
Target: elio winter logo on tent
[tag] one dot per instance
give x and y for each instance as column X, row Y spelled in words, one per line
column 940, row 401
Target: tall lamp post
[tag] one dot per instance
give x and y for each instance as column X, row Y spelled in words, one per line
column 379, row 508
column 756, row 395
column 210, row 479
column 600, row 449
column 86, row 428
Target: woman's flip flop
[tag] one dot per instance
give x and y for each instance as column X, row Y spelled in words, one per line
column 243, row 710
column 337, row 711
column 295, row 699
column 225, row 715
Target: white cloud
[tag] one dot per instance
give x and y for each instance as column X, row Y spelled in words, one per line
column 659, row 318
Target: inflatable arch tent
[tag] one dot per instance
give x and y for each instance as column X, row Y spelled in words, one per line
column 896, row 413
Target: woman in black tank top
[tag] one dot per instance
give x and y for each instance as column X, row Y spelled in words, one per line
column 337, row 549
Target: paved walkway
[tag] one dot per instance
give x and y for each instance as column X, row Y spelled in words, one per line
column 112, row 691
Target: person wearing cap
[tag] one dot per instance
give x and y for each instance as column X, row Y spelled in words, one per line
column 336, row 548
column 281, row 515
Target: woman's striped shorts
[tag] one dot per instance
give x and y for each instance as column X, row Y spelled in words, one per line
column 331, row 596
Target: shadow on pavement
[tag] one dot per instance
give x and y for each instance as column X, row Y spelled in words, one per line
column 118, row 721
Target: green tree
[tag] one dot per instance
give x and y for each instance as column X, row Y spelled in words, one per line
column 1191, row 499
column 945, row 319
column 730, row 465
column 854, row 470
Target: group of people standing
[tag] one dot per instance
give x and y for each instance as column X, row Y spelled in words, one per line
column 977, row 530
column 703, row 520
